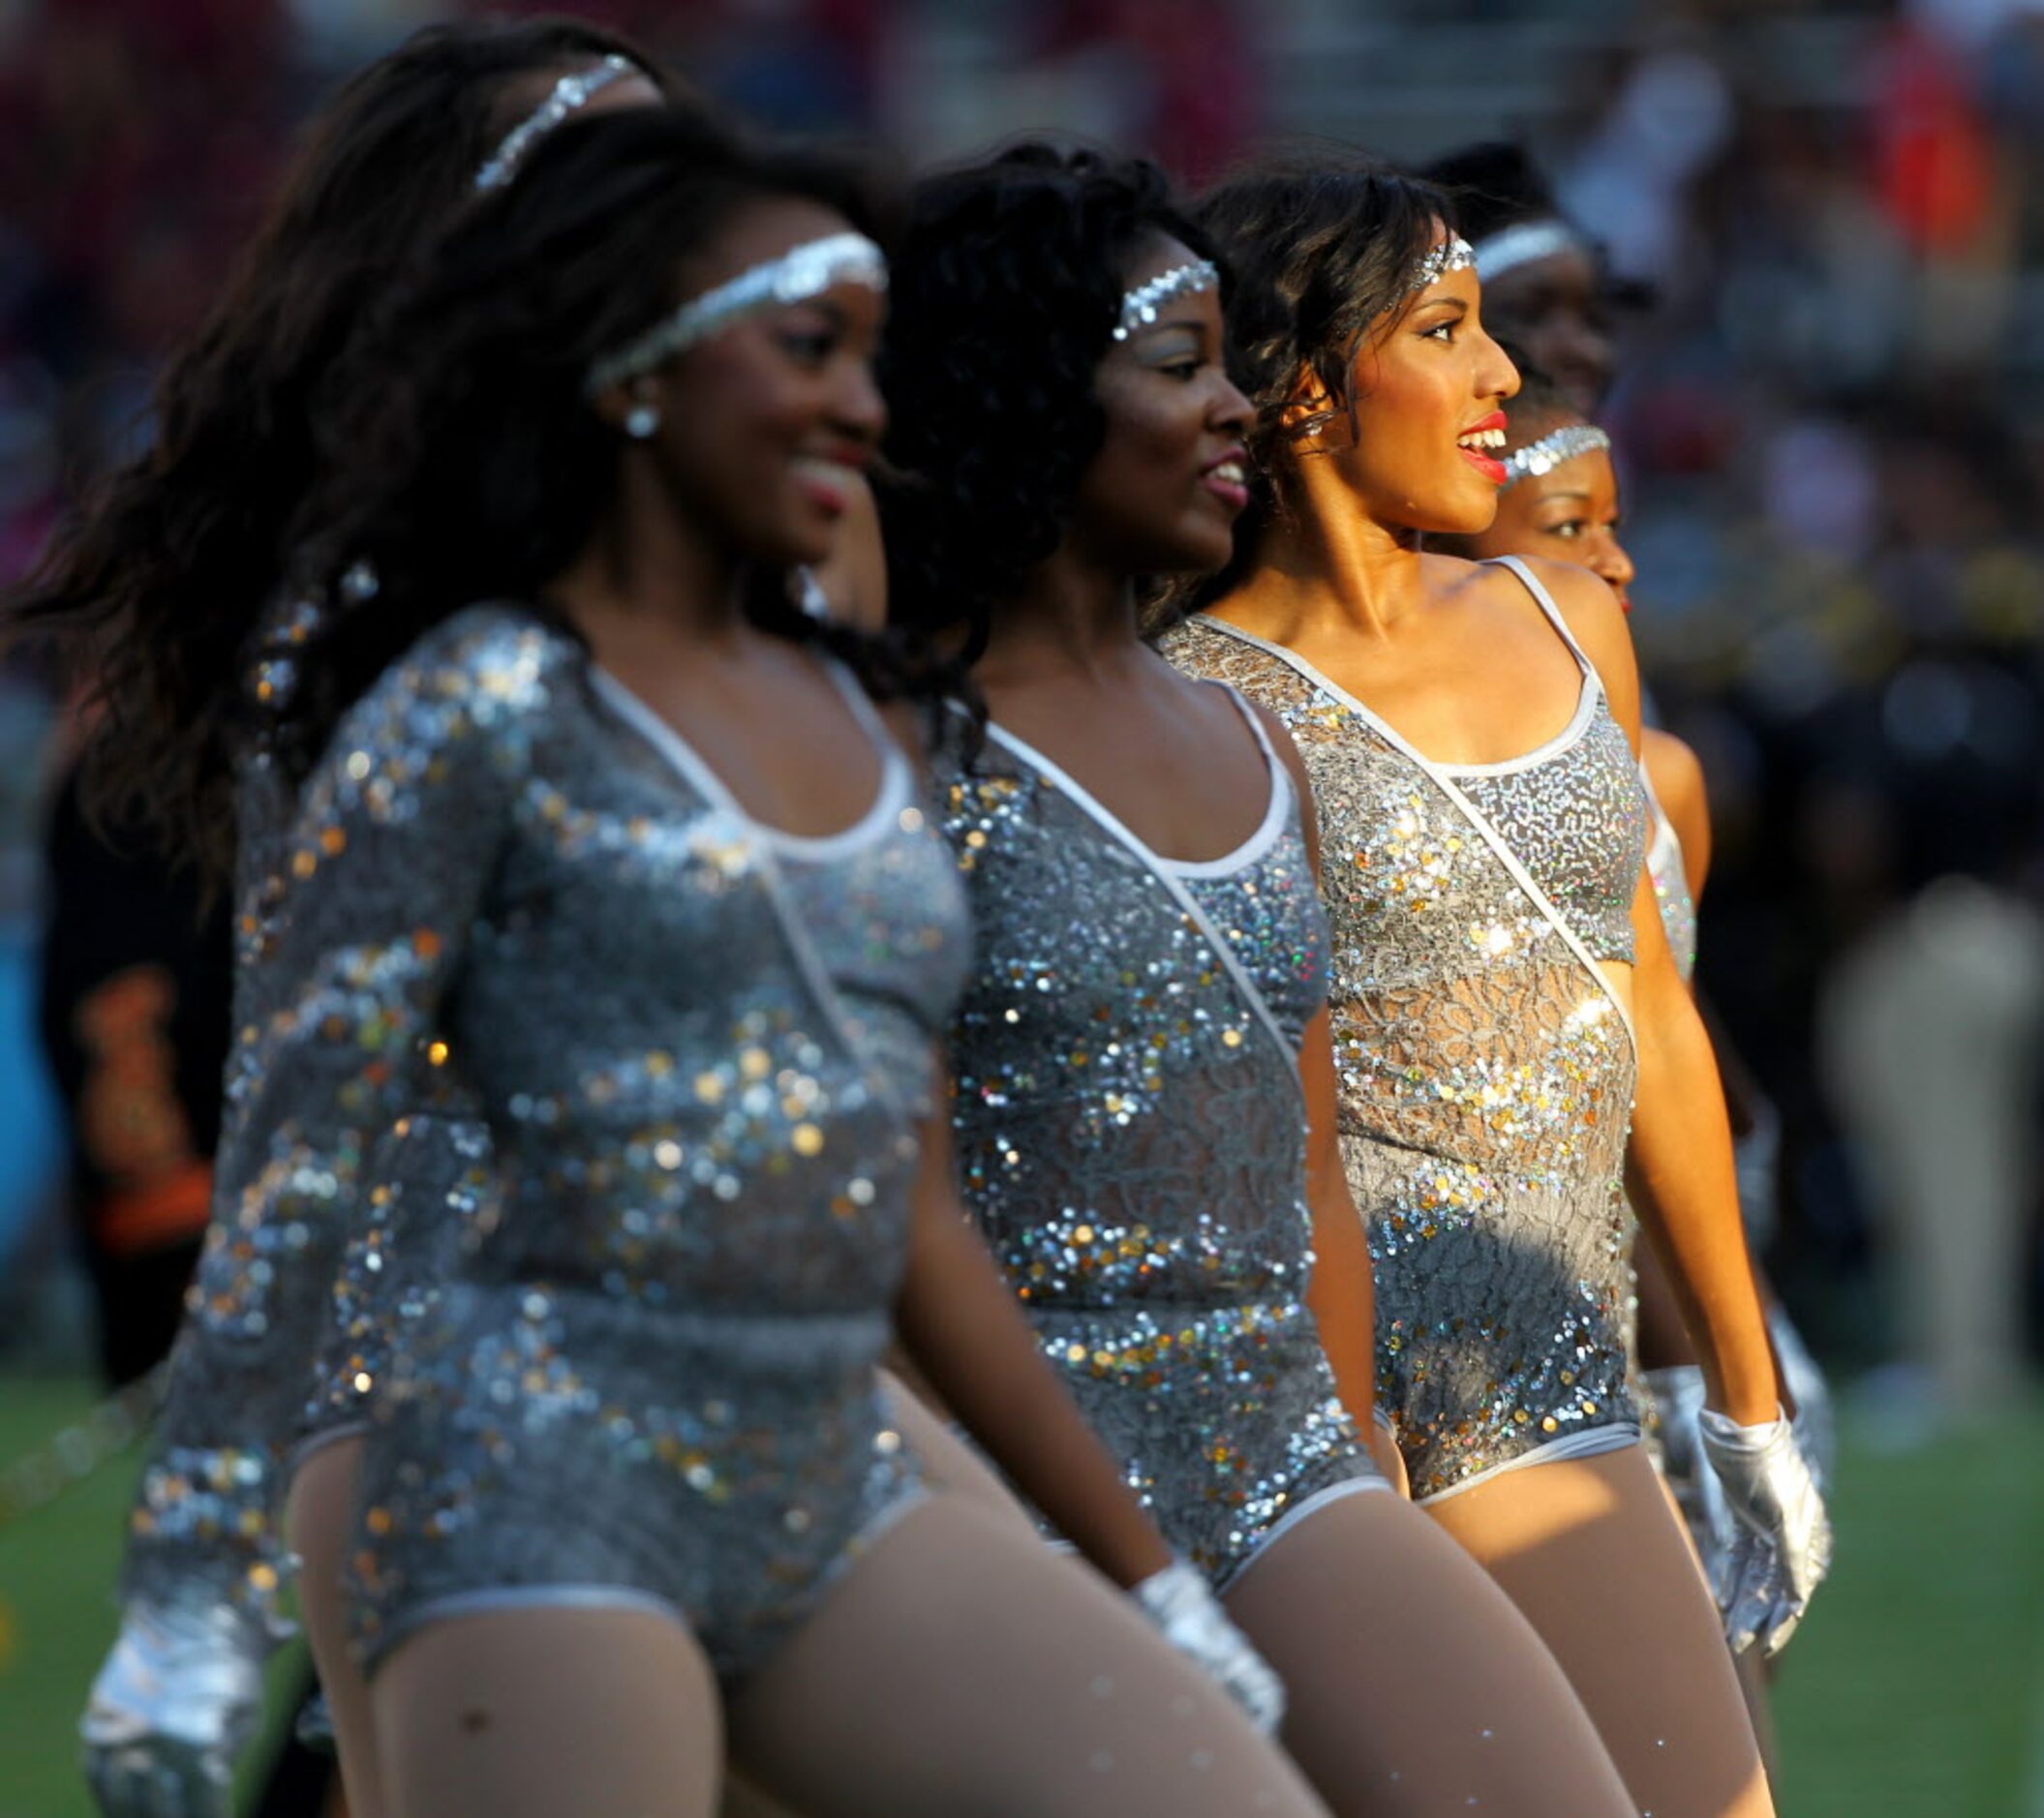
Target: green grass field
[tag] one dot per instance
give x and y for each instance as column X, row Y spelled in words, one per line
column 1915, row 1690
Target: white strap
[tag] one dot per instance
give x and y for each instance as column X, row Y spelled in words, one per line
column 1544, row 600
column 681, row 757
column 1441, row 780
column 1188, row 905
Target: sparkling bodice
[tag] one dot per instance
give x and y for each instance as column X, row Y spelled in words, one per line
column 1131, row 1139
column 499, row 894
column 1485, row 1078
column 1574, row 814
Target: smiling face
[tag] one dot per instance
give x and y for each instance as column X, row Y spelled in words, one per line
column 1569, row 513
column 1428, row 389
column 1161, row 494
column 765, row 425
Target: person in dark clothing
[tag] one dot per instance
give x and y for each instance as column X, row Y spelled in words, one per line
column 133, row 995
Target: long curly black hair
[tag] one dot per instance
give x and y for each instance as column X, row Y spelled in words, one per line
column 1003, row 302
column 150, row 590
column 1324, row 242
column 465, row 462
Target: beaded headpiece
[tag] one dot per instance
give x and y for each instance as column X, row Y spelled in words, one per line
column 1552, row 449
column 571, row 93
column 1453, row 254
column 799, row 274
column 1140, row 305
column 1509, row 248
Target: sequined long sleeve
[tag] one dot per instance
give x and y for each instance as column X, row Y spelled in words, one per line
column 376, row 874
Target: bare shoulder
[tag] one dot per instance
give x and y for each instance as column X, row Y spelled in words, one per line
column 1588, row 607
column 1598, row 623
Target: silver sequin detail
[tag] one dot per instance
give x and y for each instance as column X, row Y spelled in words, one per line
column 1140, row 305
column 1485, row 1093
column 1551, row 450
column 1671, row 888
column 1575, row 817
column 666, row 1256
column 1453, row 254
column 800, row 274
column 1130, row 1142
column 569, row 95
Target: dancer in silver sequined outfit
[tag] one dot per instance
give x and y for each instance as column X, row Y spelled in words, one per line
column 1144, row 1040
column 388, row 160
column 1472, row 733
column 636, row 1442
column 1561, row 502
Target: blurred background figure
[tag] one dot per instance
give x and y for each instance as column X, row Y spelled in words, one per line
column 134, row 1013
column 1833, row 470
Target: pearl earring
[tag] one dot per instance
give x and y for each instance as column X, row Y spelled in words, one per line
column 640, row 420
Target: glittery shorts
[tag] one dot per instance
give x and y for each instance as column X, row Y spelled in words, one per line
column 1502, row 1315
column 549, row 1448
column 1224, row 1419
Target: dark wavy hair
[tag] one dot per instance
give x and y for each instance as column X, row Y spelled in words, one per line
column 1322, row 242
column 149, row 592
column 1003, row 302
column 465, row 462
column 1495, row 184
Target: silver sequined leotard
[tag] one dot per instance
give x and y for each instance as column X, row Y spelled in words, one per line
column 1671, row 887
column 1487, row 1070
column 1131, row 1141
column 652, row 1378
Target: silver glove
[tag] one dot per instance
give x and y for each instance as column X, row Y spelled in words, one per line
column 1189, row 1615
column 1678, row 1398
column 173, row 1706
column 1816, row 1429
column 1782, row 1547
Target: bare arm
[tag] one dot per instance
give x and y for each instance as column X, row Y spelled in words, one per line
column 1679, row 1162
column 1342, row 1295
column 963, row 1331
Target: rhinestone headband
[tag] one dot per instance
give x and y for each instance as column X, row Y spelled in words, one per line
column 1453, row 254
column 1512, row 247
column 569, row 94
column 799, row 274
column 1139, row 307
column 1551, row 450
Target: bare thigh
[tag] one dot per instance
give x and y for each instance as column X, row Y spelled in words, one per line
column 1590, row 1550
column 320, row 1520
column 537, row 1712
column 1415, row 1689
column 959, row 1666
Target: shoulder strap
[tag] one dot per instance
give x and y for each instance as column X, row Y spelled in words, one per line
column 1446, row 784
column 1186, row 902
column 1544, row 600
column 682, row 757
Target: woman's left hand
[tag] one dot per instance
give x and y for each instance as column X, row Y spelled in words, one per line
column 1784, row 1545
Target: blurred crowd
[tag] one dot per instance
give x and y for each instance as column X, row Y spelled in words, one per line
column 1830, row 225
